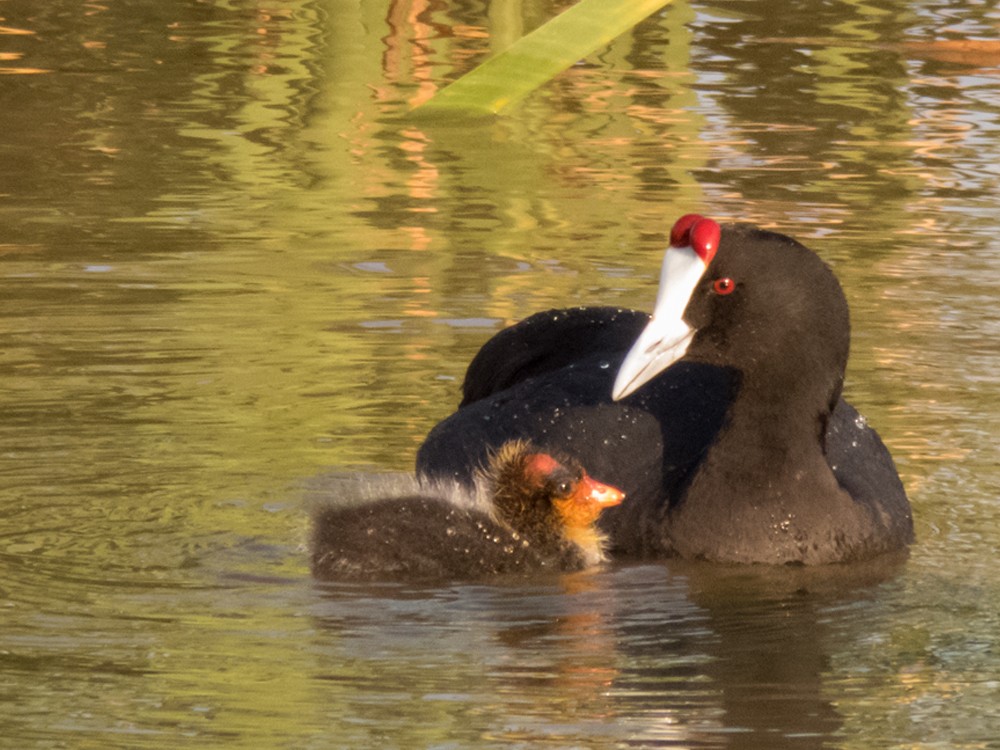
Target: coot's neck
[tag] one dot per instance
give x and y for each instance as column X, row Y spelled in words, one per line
column 774, row 429
column 764, row 492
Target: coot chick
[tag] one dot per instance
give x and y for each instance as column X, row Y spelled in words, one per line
column 529, row 512
column 720, row 415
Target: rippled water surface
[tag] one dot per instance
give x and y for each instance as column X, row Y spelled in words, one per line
column 231, row 261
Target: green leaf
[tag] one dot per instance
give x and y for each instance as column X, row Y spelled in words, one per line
column 538, row 57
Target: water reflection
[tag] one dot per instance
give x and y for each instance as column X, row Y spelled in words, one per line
column 230, row 260
column 699, row 655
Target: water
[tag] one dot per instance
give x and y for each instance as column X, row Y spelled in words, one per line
column 231, row 262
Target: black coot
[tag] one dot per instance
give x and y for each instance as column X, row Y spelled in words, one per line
column 528, row 512
column 720, row 416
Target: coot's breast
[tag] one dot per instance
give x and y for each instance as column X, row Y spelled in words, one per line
column 647, row 446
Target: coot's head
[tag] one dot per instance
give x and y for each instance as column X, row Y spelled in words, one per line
column 535, row 491
column 745, row 298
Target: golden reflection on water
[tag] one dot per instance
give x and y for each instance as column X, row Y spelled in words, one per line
column 232, row 261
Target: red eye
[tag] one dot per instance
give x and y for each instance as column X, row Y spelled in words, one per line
column 724, row 286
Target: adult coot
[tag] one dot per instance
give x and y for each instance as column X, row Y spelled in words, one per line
column 528, row 512
column 720, row 416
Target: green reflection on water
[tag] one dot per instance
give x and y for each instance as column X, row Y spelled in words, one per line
column 230, row 261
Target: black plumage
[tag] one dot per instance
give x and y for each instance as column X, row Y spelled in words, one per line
column 741, row 451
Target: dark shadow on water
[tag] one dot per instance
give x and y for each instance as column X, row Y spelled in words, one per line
column 761, row 647
column 672, row 654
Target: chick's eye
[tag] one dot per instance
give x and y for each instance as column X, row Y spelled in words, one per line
column 564, row 488
column 723, row 286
